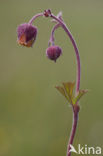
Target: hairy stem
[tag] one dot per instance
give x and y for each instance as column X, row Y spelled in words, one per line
column 63, row 25
column 75, row 48
column 34, row 17
column 60, row 22
column 52, row 34
column 73, row 131
column 75, row 113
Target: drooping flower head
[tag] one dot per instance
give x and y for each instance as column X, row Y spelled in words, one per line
column 53, row 52
column 26, row 34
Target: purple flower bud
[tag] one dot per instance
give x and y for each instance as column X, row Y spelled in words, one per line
column 53, row 52
column 26, row 34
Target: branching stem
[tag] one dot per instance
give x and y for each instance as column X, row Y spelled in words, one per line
column 75, row 113
column 75, row 48
column 63, row 25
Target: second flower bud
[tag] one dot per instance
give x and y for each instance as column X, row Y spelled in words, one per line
column 53, row 52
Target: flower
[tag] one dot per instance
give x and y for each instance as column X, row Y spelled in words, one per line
column 53, row 52
column 26, row 34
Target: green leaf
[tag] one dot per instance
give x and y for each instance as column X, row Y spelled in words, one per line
column 67, row 91
column 69, row 86
column 61, row 90
column 80, row 94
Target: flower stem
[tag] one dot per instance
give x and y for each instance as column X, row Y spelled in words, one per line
column 34, row 17
column 75, row 111
column 52, row 34
column 75, row 107
column 75, row 48
column 60, row 22
column 73, row 131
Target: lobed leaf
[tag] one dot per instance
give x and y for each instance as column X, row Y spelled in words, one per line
column 62, row 91
column 80, row 94
column 69, row 86
column 67, row 91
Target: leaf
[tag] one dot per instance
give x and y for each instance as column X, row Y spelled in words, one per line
column 69, row 86
column 67, row 91
column 61, row 90
column 80, row 94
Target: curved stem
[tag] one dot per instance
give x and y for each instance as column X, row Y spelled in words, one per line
column 34, row 17
column 75, row 48
column 62, row 24
column 52, row 34
column 75, row 112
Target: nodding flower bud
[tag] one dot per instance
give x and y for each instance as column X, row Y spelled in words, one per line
column 53, row 52
column 26, row 34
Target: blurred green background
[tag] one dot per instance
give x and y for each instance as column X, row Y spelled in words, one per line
column 34, row 118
